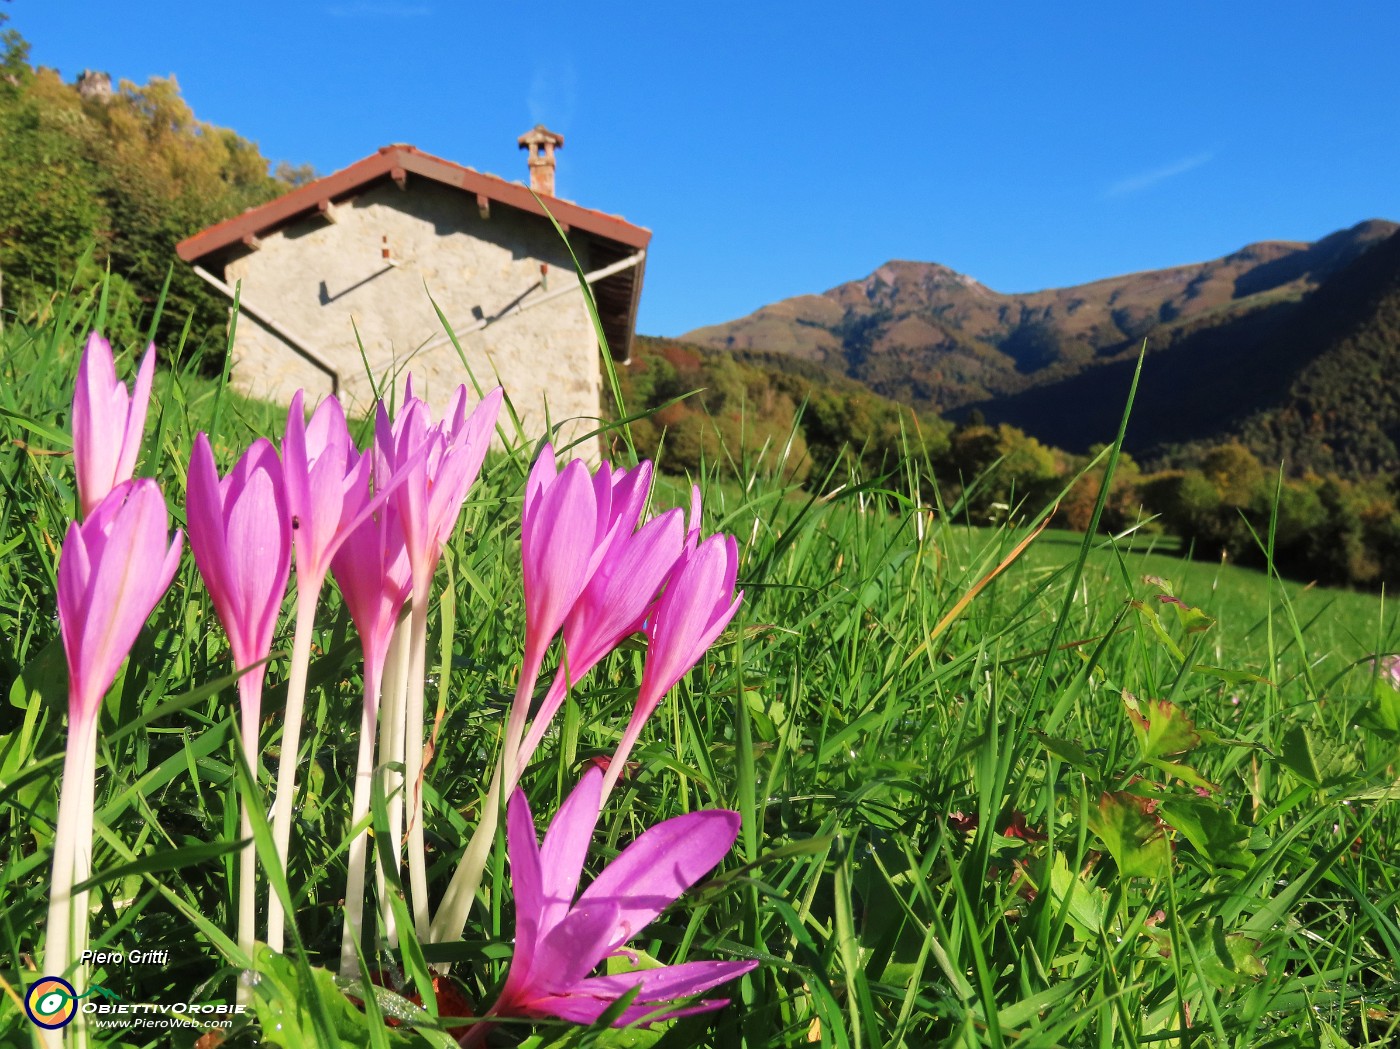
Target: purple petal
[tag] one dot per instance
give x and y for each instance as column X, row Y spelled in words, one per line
column 651, row 873
column 74, row 574
column 557, row 544
column 691, row 613
column 573, row 948
column 259, row 534
column 542, row 474
column 526, row 880
column 583, row 1009
column 566, row 847
column 99, row 423
column 134, row 422
column 666, row 983
column 296, row 464
column 620, row 591
column 125, row 582
column 204, row 516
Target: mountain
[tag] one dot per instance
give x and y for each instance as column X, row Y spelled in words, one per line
column 934, row 338
column 1312, row 383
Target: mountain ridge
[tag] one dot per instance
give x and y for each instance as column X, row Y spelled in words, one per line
column 927, row 335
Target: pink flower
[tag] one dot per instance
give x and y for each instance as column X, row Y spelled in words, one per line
column 375, row 579
column 1389, row 667
column 241, row 534
column 561, row 935
column 112, row 571
column 697, row 605
column 107, row 424
column 614, row 604
column 564, row 523
column 434, row 485
column 327, row 486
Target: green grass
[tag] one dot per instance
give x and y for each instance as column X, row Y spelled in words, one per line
column 876, row 733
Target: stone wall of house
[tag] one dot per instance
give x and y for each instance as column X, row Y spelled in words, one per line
column 323, row 281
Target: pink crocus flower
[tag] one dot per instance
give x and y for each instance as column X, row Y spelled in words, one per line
column 433, row 486
column 561, row 935
column 373, row 572
column 328, row 496
column 107, row 423
column 325, row 491
column 327, row 486
column 112, row 571
column 697, row 605
column 375, row 577
column 241, row 535
column 564, row 523
column 434, row 468
column 613, row 606
column 564, row 527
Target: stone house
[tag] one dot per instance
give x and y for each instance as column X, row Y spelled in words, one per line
column 369, row 250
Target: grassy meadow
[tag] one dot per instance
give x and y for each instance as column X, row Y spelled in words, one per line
column 998, row 787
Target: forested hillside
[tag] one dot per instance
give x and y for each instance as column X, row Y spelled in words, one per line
column 779, row 416
column 105, row 175
column 1307, row 383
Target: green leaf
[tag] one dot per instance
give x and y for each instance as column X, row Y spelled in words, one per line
column 632, row 961
column 1228, row 959
column 1088, row 904
column 1154, row 621
column 58, row 440
column 1211, row 829
column 1134, row 834
column 1164, row 585
column 1317, row 763
column 1191, row 618
column 1066, row 750
column 1384, row 710
column 1185, row 773
column 1161, row 727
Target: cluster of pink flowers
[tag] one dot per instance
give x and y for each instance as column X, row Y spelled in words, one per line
column 596, row 570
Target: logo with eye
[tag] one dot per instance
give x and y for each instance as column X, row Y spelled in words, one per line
column 51, row 1003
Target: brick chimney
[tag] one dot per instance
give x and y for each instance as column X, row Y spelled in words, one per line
column 541, row 142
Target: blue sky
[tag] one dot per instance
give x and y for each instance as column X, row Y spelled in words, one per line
column 777, row 148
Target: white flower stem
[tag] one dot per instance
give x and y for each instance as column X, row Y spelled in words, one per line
column 359, row 809
column 250, row 700
column 391, row 751
column 456, row 905
column 413, row 760
column 282, row 811
column 67, row 928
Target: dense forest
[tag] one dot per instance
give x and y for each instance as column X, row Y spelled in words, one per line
column 100, row 181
